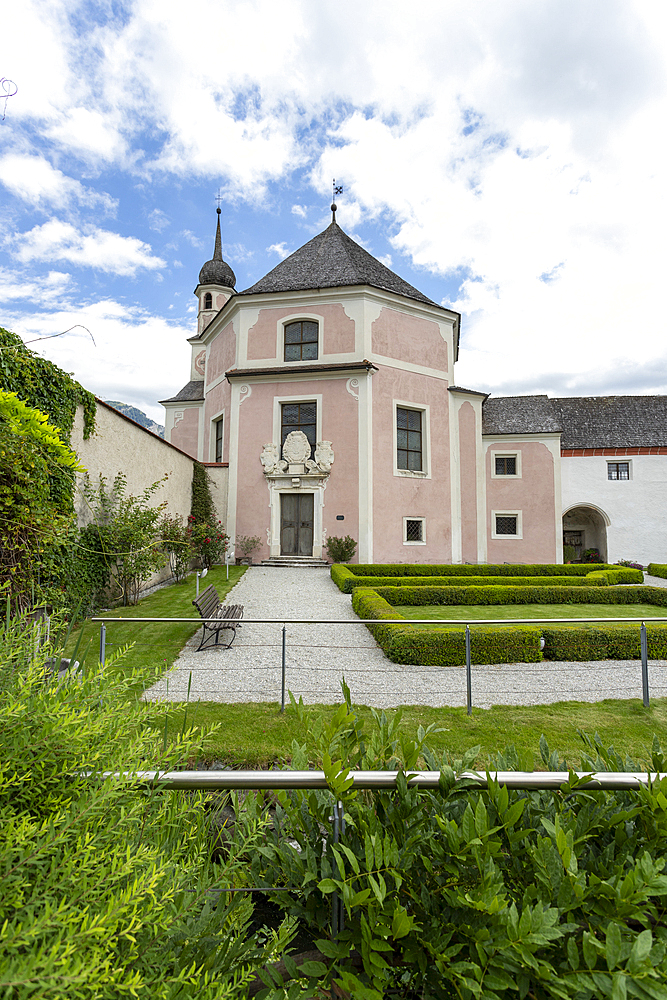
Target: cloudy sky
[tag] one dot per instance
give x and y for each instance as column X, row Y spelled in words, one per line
column 504, row 156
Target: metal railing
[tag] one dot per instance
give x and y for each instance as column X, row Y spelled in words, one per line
column 283, row 622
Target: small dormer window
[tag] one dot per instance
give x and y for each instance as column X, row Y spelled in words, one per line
column 301, row 341
column 208, row 301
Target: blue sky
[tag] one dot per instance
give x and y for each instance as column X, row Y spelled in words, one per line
column 507, row 159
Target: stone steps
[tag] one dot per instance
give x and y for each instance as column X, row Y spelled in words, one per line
column 298, row 562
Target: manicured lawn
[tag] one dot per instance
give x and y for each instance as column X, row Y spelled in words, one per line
column 156, row 645
column 476, row 611
column 254, row 735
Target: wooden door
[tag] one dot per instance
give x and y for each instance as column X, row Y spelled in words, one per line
column 296, row 524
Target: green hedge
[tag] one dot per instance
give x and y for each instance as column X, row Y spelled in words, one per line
column 613, row 641
column 657, row 569
column 509, row 643
column 490, row 569
column 522, row 595
column 445, row 647
column 347, row 578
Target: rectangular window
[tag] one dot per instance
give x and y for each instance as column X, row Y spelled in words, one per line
column 414, row 531
column 618, row 470
column 506, row 465
column 218, row 439
column 301, row 341
column 409, row 439
column 299, row 417
column 506, row 524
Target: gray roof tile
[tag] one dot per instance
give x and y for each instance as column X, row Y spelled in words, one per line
column 191, row 392
column 584, row 421
column 333, row 260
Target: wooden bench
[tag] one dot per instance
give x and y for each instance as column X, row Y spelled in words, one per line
column 217, row 617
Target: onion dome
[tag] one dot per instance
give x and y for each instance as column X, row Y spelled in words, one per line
column 217, row 271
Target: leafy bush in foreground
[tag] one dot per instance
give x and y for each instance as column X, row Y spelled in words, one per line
column 105, row 889
column 471, row 894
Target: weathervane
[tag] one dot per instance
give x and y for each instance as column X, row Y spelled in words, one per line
column 337, row 189
column 218, row 198
column 9, row 89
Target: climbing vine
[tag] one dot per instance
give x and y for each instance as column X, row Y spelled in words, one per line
column 202, row 509
column 42, row 384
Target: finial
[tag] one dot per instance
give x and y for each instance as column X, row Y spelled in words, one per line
column 217, row 253
column 337, row 189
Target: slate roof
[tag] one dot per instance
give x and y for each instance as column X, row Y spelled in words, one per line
column 191, row 392
column 584, row 421
column 332, row 260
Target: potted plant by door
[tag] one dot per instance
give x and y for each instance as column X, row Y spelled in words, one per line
column 247, row 545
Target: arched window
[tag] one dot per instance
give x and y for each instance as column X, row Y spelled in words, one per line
column 301, row 341
column 208, row 301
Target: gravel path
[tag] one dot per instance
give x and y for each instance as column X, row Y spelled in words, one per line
column 318, row 656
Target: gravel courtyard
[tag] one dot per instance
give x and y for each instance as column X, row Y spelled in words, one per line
column 318, row 656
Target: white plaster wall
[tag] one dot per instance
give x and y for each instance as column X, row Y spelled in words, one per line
column 120, row 445
column 636, row 508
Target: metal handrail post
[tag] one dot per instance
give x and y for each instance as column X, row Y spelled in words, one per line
column 468, row 673
column 103, row 643
column 644, row 655
column 282, row 695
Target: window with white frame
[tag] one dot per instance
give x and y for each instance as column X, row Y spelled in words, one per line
column 506, row 524
column 208, row 301
column 618, row 470
column 301, row 340
column 218, row 426
column 505, row 464
column 299, row 417
column 414, row 531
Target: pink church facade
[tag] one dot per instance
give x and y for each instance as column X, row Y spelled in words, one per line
column 328, row 389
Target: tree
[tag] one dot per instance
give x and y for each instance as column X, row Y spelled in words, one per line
column 128, row 531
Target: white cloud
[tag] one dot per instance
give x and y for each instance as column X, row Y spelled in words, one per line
column 299, row 210
column 280, row 249
column 138, row 358
column 157, row 220
column 45, row 290
column 36, row 181
column 96, row 248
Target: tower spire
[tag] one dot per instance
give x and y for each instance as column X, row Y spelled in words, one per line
column 217, row 253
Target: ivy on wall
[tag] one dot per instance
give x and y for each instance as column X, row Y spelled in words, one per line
column 43, row 385
column 202, row 508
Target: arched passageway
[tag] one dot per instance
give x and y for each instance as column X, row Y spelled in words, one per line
column 585, row 527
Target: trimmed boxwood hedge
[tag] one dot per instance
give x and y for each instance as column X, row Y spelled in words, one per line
column 523, row 595
column 346, row 578
column 464, row 569
column 509, row 643
column 445, row 647
column 657, row 569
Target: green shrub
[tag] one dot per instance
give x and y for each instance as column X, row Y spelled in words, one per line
column 106, row 888
column 655, row 569
column 341, row 550
column 444, row 646
column 462, row 892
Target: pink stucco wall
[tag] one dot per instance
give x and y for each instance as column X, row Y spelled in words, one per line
column 409, row 338
column 222, row 354
column 338, row 331
column 534, row 494
column 218, row 400
column 339, row 425
column 396, row 497
column 185, row 432
column 468, row 453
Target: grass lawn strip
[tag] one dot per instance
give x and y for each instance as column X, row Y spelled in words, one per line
column 257, row 735
column 156, row 644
